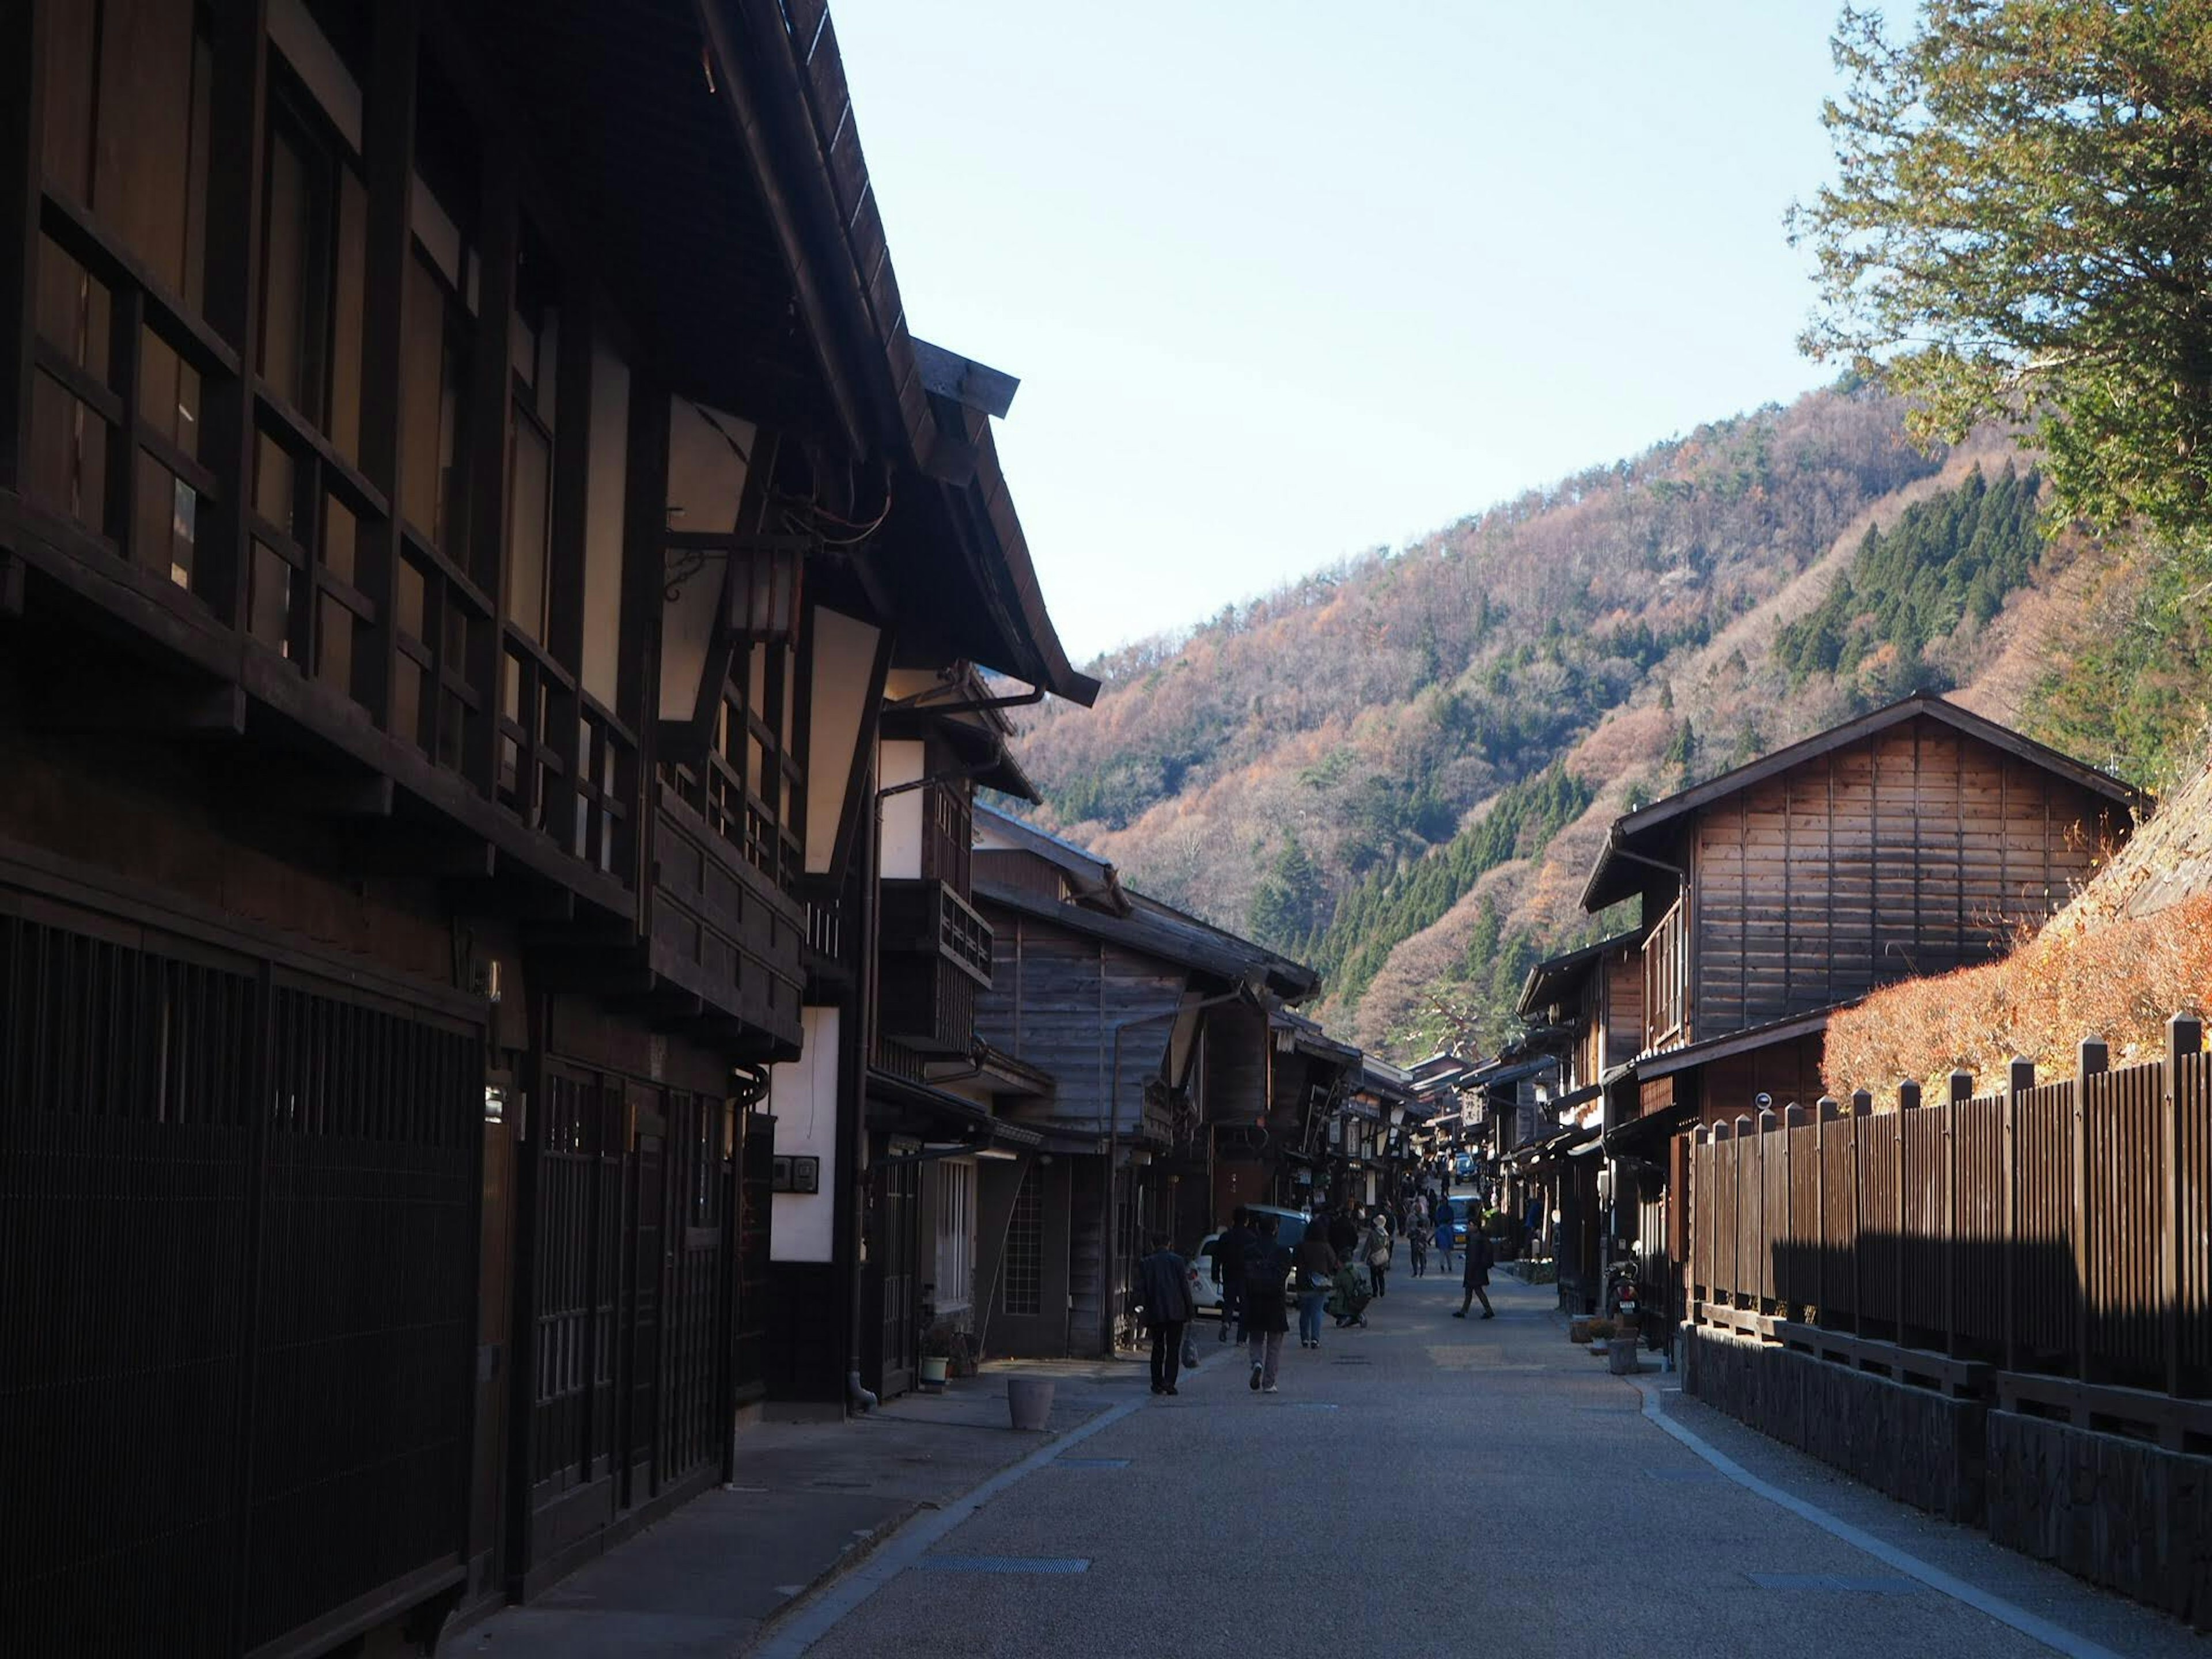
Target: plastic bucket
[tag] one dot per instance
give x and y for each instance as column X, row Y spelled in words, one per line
column 1028, row 1401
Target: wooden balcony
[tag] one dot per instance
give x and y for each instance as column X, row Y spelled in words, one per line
column 1666, row 983
column 720, row 931
column 936, row 954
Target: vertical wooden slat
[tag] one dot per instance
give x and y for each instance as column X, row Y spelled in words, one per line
column 22, row 168
column 491, row 415
column 1825, row 1114
column 1961, row 1091
column 388, row 162
column 2185, row 1035
column 1908, row 1100
column 222, row 572
column 2019, row 1077
column 2091, row 1057
column 1863, row 1148
column 126, row 320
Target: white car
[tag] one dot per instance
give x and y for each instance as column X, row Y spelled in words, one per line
column 1206, row 1266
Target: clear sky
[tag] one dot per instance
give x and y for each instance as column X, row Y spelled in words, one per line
column 1284, row 281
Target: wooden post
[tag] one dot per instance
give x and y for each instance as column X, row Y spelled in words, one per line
column 2090, row 1058
column 491, row 415
column 223, row 560
column 1794, row 1116
column 1743, row 1156
column 22, row 172
column 1700, row 1250
column 2019, row 1077
column 1767, row 1235
column 2185, row 1035
column 1862, row 1137
column 1828, row 1111
column 388, row 166
column 1908, row 1100
column 1961, row 1091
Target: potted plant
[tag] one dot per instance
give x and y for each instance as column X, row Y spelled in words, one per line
column 941, row 1345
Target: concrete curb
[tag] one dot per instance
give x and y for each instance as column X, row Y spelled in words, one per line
column 869, row 1564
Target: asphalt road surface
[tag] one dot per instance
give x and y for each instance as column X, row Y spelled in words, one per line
column 1433, row 1486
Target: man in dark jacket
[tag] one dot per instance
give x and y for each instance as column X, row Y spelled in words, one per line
column 1164, row 1286
column 1343, row 1232
column 1229, row 1253
column 1477, row 1275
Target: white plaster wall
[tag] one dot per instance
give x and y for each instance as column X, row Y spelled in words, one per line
column 803, row 1095
column 901, row 762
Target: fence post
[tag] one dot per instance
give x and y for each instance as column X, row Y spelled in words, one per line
column 1738, row 1296
column 1700, row 1212
column 1792, row 1295
column 1724, row 1229
column 1828, row 1113
column 2185, row 1035
column 2019, row 1077
column 1908, row 1100
column 1772, row 1266
column 1962, row 1091
column 1862, row 1137
column 2090, row 1058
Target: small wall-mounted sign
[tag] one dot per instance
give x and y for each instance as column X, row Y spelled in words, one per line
column 794, row 1175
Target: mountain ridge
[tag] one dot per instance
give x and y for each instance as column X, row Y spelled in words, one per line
column 1315, row 767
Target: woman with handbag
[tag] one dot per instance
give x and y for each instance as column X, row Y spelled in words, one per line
column 1317, row 1266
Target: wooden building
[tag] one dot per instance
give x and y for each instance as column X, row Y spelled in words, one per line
column 1914, row 840
column 466, row 479
column 1154, row 1031
column 1586, row 1007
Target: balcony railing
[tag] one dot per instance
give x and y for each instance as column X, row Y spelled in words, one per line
column 1666, row 981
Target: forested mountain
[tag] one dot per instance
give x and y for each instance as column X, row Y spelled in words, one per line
column 1399, row 768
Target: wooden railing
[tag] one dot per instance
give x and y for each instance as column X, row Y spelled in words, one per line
column 2056, row 1231
column 1666, row 981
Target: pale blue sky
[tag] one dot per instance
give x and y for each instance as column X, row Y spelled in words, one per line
column 1286, row 281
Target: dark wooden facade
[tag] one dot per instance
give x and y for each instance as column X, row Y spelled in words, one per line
column 430, row 812
column 1154, row 1029
column 1914, row 841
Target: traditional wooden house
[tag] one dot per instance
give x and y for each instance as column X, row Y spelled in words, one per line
column 1301, row 1151
column 1153, row 1028
column 1586, row 1007
column 465, row 479
column 1916, row 839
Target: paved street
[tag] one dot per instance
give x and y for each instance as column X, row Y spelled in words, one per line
column 1440, row 1486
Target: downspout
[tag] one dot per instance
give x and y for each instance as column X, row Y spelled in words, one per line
column 869, row 863
column 1114, row 1149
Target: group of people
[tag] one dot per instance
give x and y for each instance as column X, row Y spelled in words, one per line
column 1342, row 1262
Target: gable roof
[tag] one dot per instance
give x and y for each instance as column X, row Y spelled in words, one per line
column 1092, row 877
column 1167, row 935
column 1551, row 980
column 1613, row 877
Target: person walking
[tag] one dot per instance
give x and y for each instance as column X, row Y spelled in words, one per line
column 1375, row 1246
column 1229, row 1253
column 1417, row 1236
column 1164, row 1283
column 1444, row 1232
column 1343, row 1231
column 1477, row 1275
column 1317, row 1264
column 1267, row 1316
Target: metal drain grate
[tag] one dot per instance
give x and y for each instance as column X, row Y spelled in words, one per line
column 1090, row 1462
column 1352, row 1359
column 1043, row 1563
column 1311, row 1406
column 1872, row 1585
column 1689, row 1477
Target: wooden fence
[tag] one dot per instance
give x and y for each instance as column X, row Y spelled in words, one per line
column 2051, row 1240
